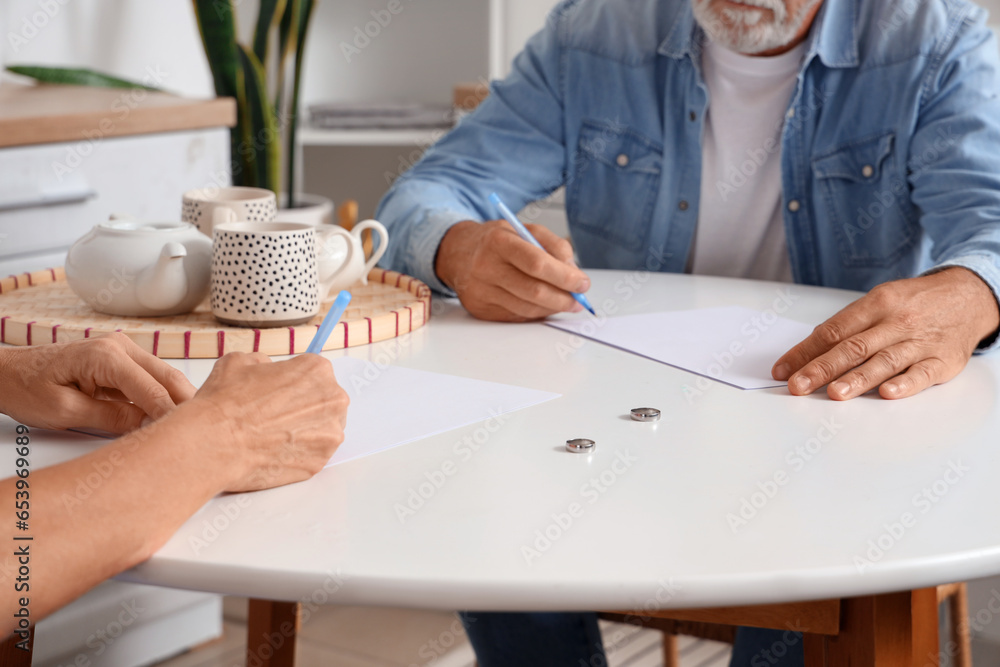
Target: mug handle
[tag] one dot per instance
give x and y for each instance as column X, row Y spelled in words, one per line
column 323, row 234
column 222, row 214
column 379, row 250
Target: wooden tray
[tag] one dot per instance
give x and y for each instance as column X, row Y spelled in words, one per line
column 39, row 308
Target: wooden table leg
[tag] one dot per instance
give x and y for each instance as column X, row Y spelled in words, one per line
column 671, row 655
column 272, row 628
column 12, row 656
column 893, row 630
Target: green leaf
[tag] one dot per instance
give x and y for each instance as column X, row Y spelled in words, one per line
column 269, row 14
column 218, row 34
column 287, row 41
column 263, row 150
column 75, row 76
column 217, row 26
column 305, row 15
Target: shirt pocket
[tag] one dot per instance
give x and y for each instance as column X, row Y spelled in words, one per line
column 868, row 202
column 612, row 189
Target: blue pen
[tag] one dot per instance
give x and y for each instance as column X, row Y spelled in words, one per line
column 329, row 322
column 523, row 232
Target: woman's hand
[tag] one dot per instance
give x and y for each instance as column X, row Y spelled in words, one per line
column 106, row 383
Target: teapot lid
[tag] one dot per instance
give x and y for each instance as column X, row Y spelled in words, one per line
column 148, row 227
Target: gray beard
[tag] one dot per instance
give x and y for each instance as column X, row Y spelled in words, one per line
column 746, row 31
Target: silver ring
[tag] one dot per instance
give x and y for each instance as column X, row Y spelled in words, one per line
column 580, row 445
column 645, row 414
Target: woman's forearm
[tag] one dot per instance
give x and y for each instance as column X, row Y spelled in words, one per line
column 105, row 512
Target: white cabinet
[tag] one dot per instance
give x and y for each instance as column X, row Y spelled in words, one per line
column 52, row 194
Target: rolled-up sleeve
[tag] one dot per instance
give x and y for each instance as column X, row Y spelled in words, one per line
column 955, row 155
column 513, row 144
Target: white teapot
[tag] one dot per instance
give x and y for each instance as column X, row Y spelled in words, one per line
column 141, row 269
column 346, row 251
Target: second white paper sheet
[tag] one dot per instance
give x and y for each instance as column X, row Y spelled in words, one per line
column 392, row 406
column 734, row 345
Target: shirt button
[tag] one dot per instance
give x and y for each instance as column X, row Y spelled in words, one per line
column 793, row 205
column 693, row 116
column 791, row 113
column 683, row 205
column 867, row 171
column 622, row 160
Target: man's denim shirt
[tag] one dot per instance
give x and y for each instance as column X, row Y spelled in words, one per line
column 890, row 150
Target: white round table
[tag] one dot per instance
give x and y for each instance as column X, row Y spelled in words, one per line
column 733, row 498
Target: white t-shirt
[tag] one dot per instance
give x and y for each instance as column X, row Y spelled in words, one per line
column 740, row 231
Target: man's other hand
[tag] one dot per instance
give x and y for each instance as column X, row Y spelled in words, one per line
column 499, row 276
column 901, row 337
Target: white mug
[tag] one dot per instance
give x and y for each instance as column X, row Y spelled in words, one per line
column 271, row 274
column 207, row 207
column 351, row 253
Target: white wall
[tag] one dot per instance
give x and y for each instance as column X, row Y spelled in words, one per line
column 417, row 56
column 129, row 38
column 513, row 22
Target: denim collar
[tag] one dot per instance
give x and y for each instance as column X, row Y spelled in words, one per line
column 833, row 36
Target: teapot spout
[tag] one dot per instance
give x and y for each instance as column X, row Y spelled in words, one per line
column 164, row 285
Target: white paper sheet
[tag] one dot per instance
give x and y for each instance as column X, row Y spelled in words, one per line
column 392, row 406
column 734, row 345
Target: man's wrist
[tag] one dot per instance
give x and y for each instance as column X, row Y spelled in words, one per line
column 448, row 251
column 990, row 310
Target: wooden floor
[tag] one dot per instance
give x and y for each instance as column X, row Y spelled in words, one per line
column 368, row 637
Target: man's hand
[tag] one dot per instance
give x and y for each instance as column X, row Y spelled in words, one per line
column 107, row 383
column 499, row 276
column 276, row 422
column 902, row 337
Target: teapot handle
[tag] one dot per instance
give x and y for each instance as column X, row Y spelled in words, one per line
column 323, row 235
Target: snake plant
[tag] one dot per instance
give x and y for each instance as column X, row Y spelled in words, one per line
column 257, row 78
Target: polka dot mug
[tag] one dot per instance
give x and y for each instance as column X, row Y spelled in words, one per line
column 207, row 207
column 272, row 274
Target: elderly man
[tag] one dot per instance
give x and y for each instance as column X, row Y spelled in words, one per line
column 847, row 143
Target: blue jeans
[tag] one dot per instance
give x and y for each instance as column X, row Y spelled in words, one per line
column 573, row 640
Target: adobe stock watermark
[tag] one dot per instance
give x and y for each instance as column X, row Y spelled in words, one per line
column 463, row 450
column 436, row 647
column 383, row 359
column 287, row 631
column 563, row 521
column 779, row 648
column 750, row 332
column 605, row 651
column 99, row 641
column 921, row 503
column 32, row 24
column 666, row 592
column 120, row 109
column 223, row 516
column 364, row 35
column 796, row 458
column 625, row 288
column 902, row 11
column 739, row 175
column 888, row 197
